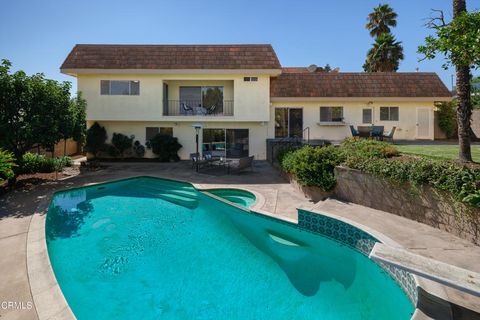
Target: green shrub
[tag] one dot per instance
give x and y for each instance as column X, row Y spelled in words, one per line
column 138, row 149
column 368, row 148
column 283, row 152
column 313, row 166
column 33, row 163
column 7, row 164
column 122, row 143
column 96, row 138
column 165, row 147
column 447, row 118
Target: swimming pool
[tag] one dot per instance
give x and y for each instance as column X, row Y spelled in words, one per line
column 148, row 248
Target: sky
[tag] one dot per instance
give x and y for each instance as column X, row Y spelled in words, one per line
column 36, row 36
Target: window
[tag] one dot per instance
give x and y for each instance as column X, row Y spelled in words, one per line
column 120, row 87
column 250, row 79
column 230, row 143
column 288, row 122
column 331, row 114
column 367, row 115
column 389, row 113
column 151, row 132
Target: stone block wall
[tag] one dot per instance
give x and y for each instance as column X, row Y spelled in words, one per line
column 423, row 204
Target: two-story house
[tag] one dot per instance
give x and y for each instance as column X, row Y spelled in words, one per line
column 242, row 96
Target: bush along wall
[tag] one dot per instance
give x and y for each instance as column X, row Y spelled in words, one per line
column 441, row 187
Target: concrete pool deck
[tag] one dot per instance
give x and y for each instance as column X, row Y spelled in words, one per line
column 280, row 199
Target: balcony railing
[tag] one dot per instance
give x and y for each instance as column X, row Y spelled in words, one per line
column 197, row 108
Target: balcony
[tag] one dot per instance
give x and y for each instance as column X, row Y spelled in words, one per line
column 197, row 108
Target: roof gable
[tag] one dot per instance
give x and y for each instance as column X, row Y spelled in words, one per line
column 248, row 56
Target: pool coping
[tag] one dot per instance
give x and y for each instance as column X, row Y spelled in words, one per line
column 48, row 299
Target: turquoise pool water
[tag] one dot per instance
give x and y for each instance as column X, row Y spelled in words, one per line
column 154, row 249
column 241, row 197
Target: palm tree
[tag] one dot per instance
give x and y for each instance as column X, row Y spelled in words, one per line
column 385, row 55
column 464, row 104
column 381, row 19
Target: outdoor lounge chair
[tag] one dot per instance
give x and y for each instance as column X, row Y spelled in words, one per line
column 354, row 131
column 389, row 135
column 211, row 110
column 186, row 109
column 242, row 164
column 377, row 132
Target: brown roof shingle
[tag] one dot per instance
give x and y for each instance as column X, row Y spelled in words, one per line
column 298, row 82
column 248, row 56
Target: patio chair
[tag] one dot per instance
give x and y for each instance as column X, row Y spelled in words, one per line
column 389, row 135
column 186, row 109
column 211, row 110
column 354, row 131
column 377, row 132
column 242, row 164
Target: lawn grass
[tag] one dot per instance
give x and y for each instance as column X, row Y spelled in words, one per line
column 438, row 151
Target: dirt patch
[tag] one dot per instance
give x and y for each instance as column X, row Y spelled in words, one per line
column 28, row 181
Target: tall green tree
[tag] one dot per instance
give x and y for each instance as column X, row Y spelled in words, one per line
column 385, row 55
column 458, row 41
column 32, row 110
column 380, row 20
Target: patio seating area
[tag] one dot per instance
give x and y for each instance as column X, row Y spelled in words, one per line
column 212, row 163
column 374, row 132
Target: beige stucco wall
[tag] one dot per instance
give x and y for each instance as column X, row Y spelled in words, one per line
column 406, row 127
column 186, row 133
column 251, row 99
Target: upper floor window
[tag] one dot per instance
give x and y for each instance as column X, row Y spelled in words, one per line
column 331, row 114
column 250, row 79
column 120, row 87
column 388, row 113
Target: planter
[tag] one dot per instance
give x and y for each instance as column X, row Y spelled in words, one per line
column 423, row 204
column 313, row 193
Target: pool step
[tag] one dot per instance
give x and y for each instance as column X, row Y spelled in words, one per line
column 187, row 193
column 176, row 199
column 181, row 196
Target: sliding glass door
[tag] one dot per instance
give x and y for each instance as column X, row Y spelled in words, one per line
column 229, row 143
column 288, row 122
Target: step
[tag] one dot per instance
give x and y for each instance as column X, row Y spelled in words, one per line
column 166, row 189
column 176, row 199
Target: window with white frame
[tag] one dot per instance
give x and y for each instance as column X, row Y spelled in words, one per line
column 389, row 113
column 331, row 114
column 120, row 87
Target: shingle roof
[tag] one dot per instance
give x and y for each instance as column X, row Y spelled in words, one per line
column 298, row 82
column 248, row 56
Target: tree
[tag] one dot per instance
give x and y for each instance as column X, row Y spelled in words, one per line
column 32, row 110
column 165, row 147
column 380, row 20
column 73, row 125
column 122, row 143
column 385, row 55
column 96, row 138
column 458, row 42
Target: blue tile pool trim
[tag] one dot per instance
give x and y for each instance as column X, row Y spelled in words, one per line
column 358, row 240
